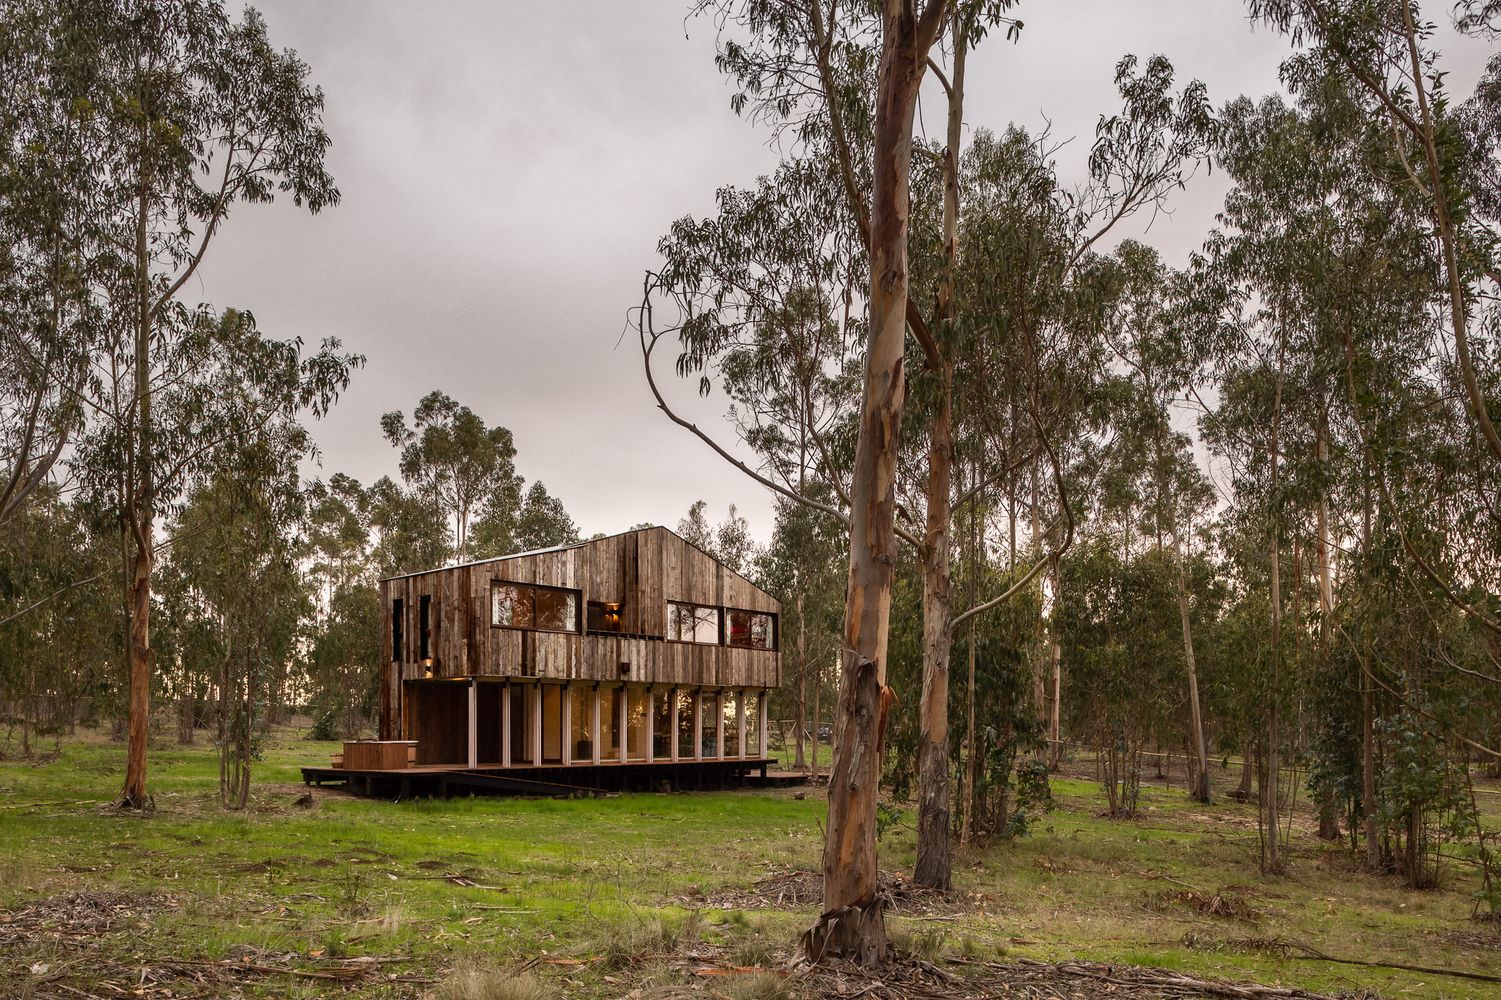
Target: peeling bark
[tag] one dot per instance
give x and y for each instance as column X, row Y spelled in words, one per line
column 852, row 925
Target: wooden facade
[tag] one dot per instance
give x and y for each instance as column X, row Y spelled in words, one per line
column 442, row 626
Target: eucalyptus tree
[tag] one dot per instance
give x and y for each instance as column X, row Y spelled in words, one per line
column 411, row 534
column 1386, row 48
column 794, row 69
column 1022, row 324
column 1117, row 631
column 187, row 113
column 543, row 521
column 801, row 567
column 1331, row 295
column 55, row 659
column 1147, row 338
column 51, row 253
column 694, row 528
column 450, row 458
column 243, row 577
column 343, row 655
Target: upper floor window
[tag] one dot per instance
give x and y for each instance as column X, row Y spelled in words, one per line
column 424, row 627
column 523, row 605
column 693, row 623
column 398, row 615
column 752, row 629
column 603, row 617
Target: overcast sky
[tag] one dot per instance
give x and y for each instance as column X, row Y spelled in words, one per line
column 507, row 169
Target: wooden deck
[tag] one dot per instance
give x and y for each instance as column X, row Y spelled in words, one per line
column 557, row 780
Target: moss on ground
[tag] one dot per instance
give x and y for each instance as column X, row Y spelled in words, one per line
column 500, row 883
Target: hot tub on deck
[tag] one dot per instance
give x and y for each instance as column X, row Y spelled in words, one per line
column 376, row 755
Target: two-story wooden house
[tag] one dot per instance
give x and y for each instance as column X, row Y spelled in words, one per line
column 636, row 648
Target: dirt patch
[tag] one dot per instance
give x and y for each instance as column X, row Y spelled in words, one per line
column 1480, row 938
column 1026, row 980
column 911, row 978
column 77, row 917
column 797, row 889
column 437, row 865
column 61, row 946
column 1226, row 903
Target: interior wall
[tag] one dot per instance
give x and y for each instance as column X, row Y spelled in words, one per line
column 439, row 713
column 488, row 723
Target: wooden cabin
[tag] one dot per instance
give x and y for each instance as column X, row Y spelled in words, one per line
column 638, row 647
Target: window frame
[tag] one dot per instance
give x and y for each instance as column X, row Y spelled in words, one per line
column 398, row 630
column 693, row 606
column 773, row 638
column 532, row 589
column 424, row 628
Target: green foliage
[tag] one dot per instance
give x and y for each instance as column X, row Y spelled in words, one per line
column 1034, row 798
column 450, row 459
column 888, row 818
column 325, row 724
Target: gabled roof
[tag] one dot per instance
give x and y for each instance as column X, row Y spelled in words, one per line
column 510, row 555
column 575, row 545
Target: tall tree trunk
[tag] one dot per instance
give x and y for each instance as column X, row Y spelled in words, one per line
column 1040, row 658
column 1368, row 693
column 817, row 715
column 852, row 924
column 140, row 516
column 1200, row 787
column 971, row 761
column 1273, row 760
column 1055, row 737
column 971, row 758
column 1328, row 807
column 802, row 680
column 934, row 857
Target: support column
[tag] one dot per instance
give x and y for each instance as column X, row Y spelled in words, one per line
column 565, row 710
column 536, row 713
column 740, row 723
column 674, row 722
column 650, row 724
column 594, row 723
column 505, row 725
column 763, row 731
column 620, row 722
column 473, row 723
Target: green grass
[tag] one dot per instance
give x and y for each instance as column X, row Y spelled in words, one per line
column 612, row 881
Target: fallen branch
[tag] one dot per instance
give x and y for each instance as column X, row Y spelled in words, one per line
column 1174, row 981
column 1314, row 955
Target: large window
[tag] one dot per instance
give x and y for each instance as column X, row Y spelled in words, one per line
column 686, row 732
column 730, row 706
column 661, row 727
column 752, row 629
column 583, row 721
column 635, row 722
column 709, row 733
column 692, row 623
column 522, row 605
column 753, row 737
column 609, row 722
column 552, row 723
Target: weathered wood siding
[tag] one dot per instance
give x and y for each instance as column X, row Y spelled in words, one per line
column 638, row 570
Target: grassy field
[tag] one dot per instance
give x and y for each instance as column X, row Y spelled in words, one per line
column 602, row 897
